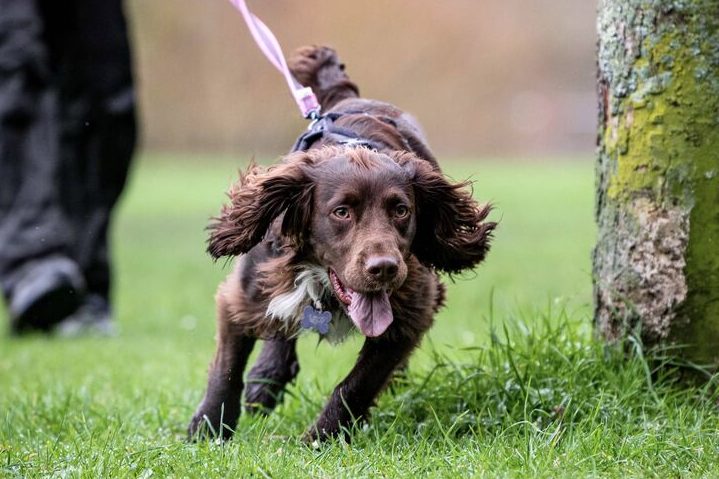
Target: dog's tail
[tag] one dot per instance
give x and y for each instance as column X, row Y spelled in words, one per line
column 319, row 68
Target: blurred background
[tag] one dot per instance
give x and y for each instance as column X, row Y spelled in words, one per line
column 491, row 78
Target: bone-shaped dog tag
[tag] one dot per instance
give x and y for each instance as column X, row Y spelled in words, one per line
column 315, row 319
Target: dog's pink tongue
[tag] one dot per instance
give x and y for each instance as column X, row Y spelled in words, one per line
column 371, row 313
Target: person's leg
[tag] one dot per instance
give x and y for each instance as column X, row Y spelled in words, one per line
column 40, row 283
column 98, row 140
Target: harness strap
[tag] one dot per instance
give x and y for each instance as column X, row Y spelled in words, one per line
column 324, row 127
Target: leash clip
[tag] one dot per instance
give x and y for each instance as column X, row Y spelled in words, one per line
column 314, row 116
column 307, row 101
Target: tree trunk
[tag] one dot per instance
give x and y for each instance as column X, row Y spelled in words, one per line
column 656, row 264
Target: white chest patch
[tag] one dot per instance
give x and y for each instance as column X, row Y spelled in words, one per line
column 312, row 286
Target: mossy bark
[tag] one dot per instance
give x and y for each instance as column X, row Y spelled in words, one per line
column 656, row 263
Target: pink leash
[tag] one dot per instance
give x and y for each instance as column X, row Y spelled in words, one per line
column 304, row 97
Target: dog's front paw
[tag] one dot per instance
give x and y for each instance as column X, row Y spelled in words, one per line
column 318, row 434
column 314, row 438
column 211, row 423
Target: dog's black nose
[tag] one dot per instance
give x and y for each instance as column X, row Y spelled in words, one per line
column 382, row 268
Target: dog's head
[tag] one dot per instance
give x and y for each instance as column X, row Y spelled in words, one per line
column 358, row 214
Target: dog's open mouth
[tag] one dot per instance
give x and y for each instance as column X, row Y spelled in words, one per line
column 370, row 312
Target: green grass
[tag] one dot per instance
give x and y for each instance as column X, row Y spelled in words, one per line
column 510, row 381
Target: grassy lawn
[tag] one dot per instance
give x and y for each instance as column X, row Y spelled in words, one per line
column 510, row 381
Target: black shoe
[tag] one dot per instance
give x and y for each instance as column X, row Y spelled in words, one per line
column 48, row 291
column 92, row 318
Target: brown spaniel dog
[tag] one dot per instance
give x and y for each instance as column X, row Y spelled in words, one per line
column 348, row 232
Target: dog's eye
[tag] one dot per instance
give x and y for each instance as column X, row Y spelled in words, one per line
column 341, row 212
column 401, row 211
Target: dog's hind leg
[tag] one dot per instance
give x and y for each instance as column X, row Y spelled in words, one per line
column 276, row 366
column 219, row 411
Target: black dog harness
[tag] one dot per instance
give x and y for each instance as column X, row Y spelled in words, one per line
column 324, row 127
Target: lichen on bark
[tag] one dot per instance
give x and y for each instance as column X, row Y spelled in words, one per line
column 644, row 281
column 656, row 264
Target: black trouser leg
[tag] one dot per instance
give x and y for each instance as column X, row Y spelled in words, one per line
column 98, row 126
column 32, row 223
column 59, row 180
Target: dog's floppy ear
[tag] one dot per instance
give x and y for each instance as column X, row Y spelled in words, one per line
column 451, row 232
column 260, row 196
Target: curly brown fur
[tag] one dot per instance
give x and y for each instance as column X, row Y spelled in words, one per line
column 360, row 232
column 255, row 201
column 452, row 235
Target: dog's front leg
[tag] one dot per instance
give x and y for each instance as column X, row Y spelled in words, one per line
column 218, row 412
column 353, row 397
column 276, row 366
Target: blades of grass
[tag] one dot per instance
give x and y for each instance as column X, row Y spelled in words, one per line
column 639, row 355
column 508, row 350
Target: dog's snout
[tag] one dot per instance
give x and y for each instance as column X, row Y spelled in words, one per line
column 382, row 268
